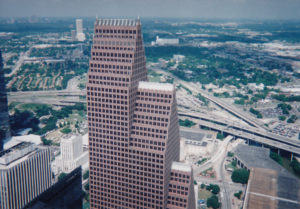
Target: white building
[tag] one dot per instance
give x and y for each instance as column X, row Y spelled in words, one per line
column 165, row 41
column 25, row 172
column 79, row 30
column 178, row 58
column 71, row 154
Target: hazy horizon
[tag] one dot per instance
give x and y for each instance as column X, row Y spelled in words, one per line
column 206, row 9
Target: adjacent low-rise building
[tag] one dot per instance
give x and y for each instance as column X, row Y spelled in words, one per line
column 65, row 194
column 25, row 172
column 268, row 188
column 255, row 157
column 165, row 41
column 71, row 154
column 181, row 187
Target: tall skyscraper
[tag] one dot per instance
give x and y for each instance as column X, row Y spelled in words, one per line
column 133, row 125
column 4, row 116
column 79, row 30
column 25, row 172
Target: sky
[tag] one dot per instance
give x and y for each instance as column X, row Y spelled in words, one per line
column 211, row 9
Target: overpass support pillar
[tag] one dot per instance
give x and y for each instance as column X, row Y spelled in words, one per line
column 278, row 152
column 292, row 156
column 248, row 141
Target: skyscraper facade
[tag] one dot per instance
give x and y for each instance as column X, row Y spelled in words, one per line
column 25, row 172
column 4, row 116
column 133, row 124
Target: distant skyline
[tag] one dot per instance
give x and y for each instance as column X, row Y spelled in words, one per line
column 219, row 9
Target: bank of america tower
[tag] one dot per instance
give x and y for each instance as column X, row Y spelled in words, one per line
column 133, row 126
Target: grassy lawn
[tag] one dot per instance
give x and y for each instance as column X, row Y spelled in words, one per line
column 231, row 165
column 154, row 79
column 204, row 194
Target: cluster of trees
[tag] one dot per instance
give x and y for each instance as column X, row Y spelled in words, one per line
column 285, row 108
column 28, row 119
column 239, row 101
column 202, row 99
column 46, row 141
column 214, row 188
column 201, row 161
column 213, row 202
column 230, row 154
column 238, row 194
column 292, row 119
column 24, row 119
column 256, row 112
column 62, row 176
column 222, row 95
column 59, row 114
column 276, row 157
column 240, row 176
column 283, row 98
column 66, row 130
column 86, row 174
column 220, row 136
column 186, row 123
column 295, row 166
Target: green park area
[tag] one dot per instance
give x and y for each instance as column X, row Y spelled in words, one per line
column 209, row 194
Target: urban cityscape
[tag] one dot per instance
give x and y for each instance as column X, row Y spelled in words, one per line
column 138, row 112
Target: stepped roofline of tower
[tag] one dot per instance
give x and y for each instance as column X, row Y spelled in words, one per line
column 181, row 167
column 156, row 86
column 118, row 22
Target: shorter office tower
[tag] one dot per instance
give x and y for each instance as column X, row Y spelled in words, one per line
column 80, row 36
column 73, row 35
column 25, row 172
column 65, row 194
column 4, row 115
column 181, row 187
column 72, row 155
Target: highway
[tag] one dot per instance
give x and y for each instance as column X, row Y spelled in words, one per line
column 55, row 97
column 245, row 132
column 243, row 135
column 70, row 97
column 194, row 87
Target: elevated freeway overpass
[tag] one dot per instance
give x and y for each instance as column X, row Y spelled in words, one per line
column 246, row 132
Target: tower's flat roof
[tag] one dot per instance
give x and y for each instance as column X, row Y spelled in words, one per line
column 181, row 167
column 156, row 86
column 117, row 22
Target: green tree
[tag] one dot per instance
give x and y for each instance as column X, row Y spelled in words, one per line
column 87, row 187
column 282, row 117
column 292, row 119
column 62, row 176
column 238, row 194
column 66, row 131
column 215, row 189
column 86, row 174
column 213, row 202
column 295, row 166
column 46, row 141
column 230, row 154
column 186, row 123
column 276, row 157
column 202, row 186
column 220, row 136
column 240, row 176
